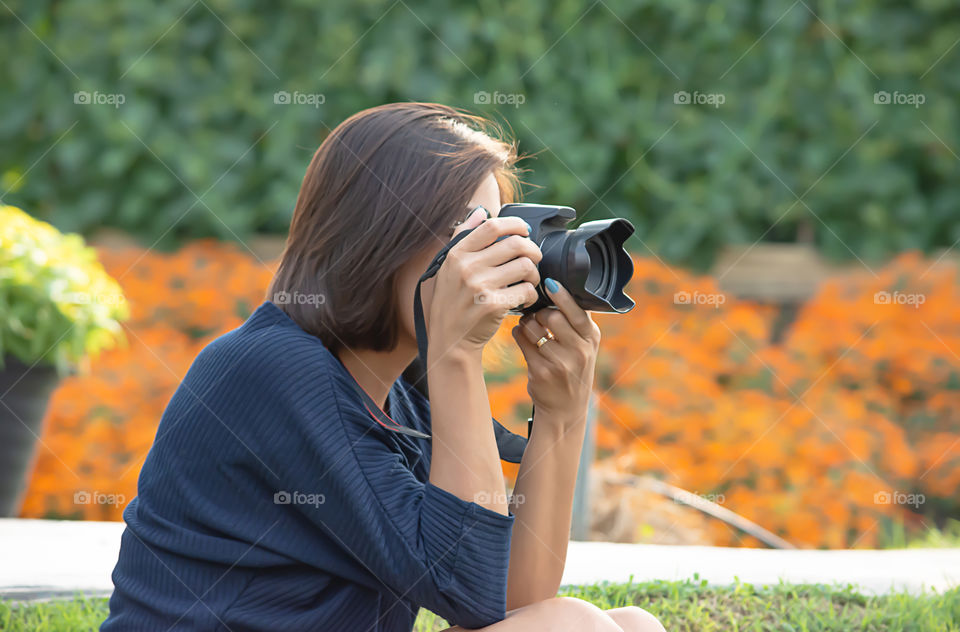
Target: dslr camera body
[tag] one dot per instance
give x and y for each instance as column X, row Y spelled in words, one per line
column 589, row 261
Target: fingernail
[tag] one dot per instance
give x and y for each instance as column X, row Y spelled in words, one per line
column 479, row 209
column 552, row 286
column 529, row 228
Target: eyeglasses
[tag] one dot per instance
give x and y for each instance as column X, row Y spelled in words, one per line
column 469, row 213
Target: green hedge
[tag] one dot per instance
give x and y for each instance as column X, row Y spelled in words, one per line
column 589, row 88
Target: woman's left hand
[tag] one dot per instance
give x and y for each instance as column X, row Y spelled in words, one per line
column 559, row 371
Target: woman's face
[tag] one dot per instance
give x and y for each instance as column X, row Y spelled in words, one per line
column 486, row 195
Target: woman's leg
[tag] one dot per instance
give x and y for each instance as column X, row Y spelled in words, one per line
column 634, row 619
column 567, row 614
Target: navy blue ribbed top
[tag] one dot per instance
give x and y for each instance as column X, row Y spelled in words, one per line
column 271, row 499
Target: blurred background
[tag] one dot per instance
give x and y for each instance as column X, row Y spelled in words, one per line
column 791, row 373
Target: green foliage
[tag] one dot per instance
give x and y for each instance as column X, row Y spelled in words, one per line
column 199, row 146
column 934, row 538
column 680, row 605
column 57, row 303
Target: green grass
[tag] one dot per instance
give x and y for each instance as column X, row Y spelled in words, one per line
column 682, row 606
column 947, row 536
column 692, row 605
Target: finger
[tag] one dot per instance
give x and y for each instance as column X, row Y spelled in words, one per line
column 534, row 331
column 509, row 248
column 553, row 319
column 531, row 328
column 529, row 349
column 576, row 316
column 522, row 269
column 491, row 230
column 475, row 218
column 514, row 296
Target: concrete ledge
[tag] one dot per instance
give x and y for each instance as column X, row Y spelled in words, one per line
column 57, row 558
column 42, row 559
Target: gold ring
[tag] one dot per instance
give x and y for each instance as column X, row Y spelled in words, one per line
column 543, row 340
column 550, row 335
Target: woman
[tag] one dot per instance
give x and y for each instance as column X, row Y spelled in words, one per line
column 275, row 496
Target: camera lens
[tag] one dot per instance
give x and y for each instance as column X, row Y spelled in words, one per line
column 600, row 266
column 597, row 267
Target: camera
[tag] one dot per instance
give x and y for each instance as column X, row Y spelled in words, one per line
column 589, row 261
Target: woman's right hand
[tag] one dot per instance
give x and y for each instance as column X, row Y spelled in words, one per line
column 480, row 280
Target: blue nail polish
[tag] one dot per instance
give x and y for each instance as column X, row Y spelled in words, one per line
column 529, row 228
column 552, row 286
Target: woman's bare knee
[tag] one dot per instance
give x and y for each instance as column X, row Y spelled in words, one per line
column 560, row 614
column 634, row 619
column 577, row 614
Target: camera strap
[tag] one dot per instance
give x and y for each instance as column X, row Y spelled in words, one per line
column 383, row 418
column 510, row 445
column 419, row 382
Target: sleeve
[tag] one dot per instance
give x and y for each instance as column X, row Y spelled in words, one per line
column 421, row 542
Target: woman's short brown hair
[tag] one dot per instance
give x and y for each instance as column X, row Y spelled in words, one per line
column 380, row 188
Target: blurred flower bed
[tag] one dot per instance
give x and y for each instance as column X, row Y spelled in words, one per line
column 825, row 438
column 847, row 426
